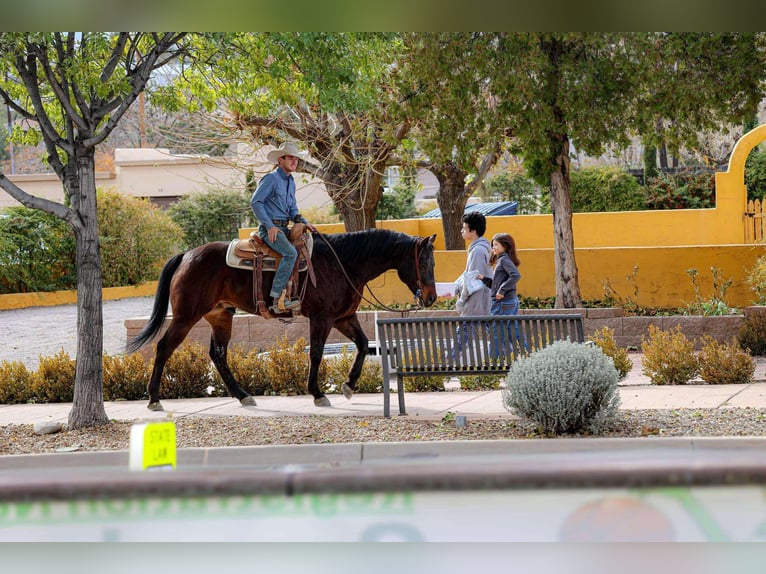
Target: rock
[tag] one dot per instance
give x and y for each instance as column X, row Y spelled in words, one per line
column 47, row 427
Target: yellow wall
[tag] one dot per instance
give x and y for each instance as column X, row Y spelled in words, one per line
column 663, row 244
column 23, row 300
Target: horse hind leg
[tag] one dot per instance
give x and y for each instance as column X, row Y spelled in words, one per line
column 221, row 322
column 351, row 328
column 169, row 342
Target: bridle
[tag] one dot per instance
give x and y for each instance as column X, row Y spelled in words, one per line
column 378, row 303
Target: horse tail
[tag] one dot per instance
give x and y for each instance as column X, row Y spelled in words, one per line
column 160, row 309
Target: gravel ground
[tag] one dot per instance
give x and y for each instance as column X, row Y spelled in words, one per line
column 200, row 431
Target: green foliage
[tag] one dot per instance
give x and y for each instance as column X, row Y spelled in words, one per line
column 752, row 334
column 399, row 203
column 249, row 369
column 216, row 215
column 755, row 174
column 433, row 383
column 4, row 144
column 605, row 189
column 756, row 280
column 564, row 388
column 480, row 382
column 604, row 340
column 188, row 373
column 723, row 364
column 338, row 367
column 37, row 252
column 288, row 367
column 38, row 249
column 668, row 357
column 715, row 305
column 516, row 187
column 125, row 376
column 54, row 379
column 681, row 192
column 16, row 382
column 136, row 239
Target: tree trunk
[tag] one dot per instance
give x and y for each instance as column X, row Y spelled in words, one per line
column 357, row 218
column 650, row 163
column 88, row 404
column 567, row 280
column 663, row 158
column 451, row 199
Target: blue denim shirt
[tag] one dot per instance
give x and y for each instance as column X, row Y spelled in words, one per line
column 275, row 198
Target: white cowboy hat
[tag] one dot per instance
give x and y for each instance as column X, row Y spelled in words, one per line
column 287, row 148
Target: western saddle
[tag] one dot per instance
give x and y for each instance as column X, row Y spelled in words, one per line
column 256, row 253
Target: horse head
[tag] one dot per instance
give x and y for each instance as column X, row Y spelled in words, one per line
column 417, row 272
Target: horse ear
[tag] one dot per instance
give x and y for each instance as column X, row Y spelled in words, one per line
column 432, row 239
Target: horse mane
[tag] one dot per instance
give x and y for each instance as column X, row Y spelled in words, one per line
column 368, row 241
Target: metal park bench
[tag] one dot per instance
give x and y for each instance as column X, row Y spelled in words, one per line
column 456, row 346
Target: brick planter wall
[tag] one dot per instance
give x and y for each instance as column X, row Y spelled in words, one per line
column 251, row 331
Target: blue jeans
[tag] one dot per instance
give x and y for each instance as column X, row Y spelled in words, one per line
column 289, row 255
column 502, row 336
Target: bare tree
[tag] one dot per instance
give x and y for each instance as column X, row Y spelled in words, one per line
column 74, row 88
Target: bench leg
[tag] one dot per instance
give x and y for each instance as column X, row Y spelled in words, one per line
column 386, row 395
column 400, row 392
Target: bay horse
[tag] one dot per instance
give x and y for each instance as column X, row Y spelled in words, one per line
column 199, row 284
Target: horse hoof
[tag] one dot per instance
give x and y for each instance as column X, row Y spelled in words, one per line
column 155, row 406
column 348, row 392
column 322, row 402
column 247, row 401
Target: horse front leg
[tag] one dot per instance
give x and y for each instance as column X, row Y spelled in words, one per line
column 221, row 321
column 319, row 330
column 351, row 328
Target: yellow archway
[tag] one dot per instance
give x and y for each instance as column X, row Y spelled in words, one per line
column 730, row 190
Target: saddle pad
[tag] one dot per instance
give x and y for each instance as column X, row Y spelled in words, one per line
column 269, row 263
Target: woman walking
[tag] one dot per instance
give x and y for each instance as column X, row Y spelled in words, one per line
column 504, row 296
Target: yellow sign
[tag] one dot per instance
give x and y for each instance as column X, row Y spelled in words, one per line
column 153, row 446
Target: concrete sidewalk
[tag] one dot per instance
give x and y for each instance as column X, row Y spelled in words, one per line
column 635, row 393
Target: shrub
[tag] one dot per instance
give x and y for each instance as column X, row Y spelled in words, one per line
column 399, row 203
column 126, row 377
column 604, row 340
column 752, row 334
column 480, row 382
column 668, row 357
column 683, row 191
column 605, row 189
column 424, row 384
column 755, row 174
column 136, row 239
column 188, row 373
column 756, row 280
column 249, row 369
column 564, row 388
column 215, row 215
column 37, row 252
column 288, row 366
column 337, row 368
column 54, row 380
column 722, row 364
column 15, row 382
column 515, row 187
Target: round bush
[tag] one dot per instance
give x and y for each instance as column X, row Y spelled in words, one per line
column 564, row 388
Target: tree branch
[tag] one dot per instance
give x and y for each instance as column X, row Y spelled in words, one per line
column 58, row 89
column 34, row 202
